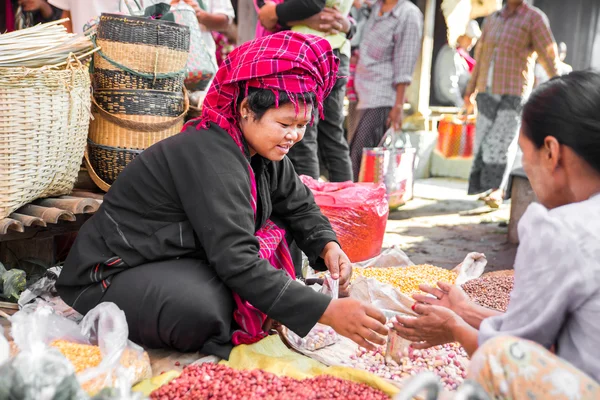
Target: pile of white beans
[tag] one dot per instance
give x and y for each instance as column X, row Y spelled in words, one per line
column 446, row 361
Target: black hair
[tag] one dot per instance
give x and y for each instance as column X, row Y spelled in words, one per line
column 567, row 108
column 260, row 100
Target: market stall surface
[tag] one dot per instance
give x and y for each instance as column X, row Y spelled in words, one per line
column 433, row 228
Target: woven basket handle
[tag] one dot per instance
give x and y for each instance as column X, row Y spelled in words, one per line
column 95, row 178
column 143, row 126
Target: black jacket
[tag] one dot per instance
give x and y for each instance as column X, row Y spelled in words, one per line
column 189, row 196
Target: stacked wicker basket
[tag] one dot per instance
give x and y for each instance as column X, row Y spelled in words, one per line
column 44, row 113
column 139, row 98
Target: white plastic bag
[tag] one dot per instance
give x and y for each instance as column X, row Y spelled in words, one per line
column 388, row 298
column 43, row 293
column 320, row 335
column 472, row 267
column 122, row 362
column 37, row 372
column 4, row 347
column 392, row 257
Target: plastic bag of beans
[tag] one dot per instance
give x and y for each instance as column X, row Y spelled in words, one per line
column 358, row 214
column 96, row 353
column 321, row 335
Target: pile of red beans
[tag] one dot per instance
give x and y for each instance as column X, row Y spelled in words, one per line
column 215, row 381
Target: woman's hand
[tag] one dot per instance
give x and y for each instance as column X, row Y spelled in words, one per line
column 357, row 321
column 338, row 264
column 445, row 295
column 267, row 15
column 434, row 326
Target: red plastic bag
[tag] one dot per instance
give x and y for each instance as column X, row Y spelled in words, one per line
column 358, row 214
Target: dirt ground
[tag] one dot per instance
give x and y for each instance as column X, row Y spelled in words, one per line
column 430, row 229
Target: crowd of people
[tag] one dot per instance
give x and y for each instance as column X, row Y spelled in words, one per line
column 378, row 44
column 378, row 79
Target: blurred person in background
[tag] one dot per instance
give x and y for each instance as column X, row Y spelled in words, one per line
column 81, row 12
column 324, row 142
column 453, row 68
column 360, row 13
column 389, row 50
column 541, row 75
column 502, row 78
column 21, row 14
column 213, row 16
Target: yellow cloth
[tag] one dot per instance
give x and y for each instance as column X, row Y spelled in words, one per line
column 270, row 354
column 149, row 385
column 339, row 41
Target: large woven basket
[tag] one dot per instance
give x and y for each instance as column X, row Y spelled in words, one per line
column 119, row 79
column 125, row 123
column 44, row 119
column 140, row 53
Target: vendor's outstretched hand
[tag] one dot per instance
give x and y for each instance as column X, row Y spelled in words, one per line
column 338, row 264
column 357, row 321
column 445, row 295
column 432, row 327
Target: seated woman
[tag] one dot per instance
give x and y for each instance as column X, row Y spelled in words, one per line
column 555, row 303
column 184, row 243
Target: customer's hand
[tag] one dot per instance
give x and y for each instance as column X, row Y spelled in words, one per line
column 433, row 326
column 445, row 295
column 395, row 118
column 357, row 321
column 267, row 15
column 338, row 264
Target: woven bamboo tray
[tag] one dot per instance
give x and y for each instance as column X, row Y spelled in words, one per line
column 44, row 120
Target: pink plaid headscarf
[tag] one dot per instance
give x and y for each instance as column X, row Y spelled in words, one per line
column 286, row 61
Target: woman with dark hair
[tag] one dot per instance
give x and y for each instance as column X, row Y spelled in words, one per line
column 555, row 303
column 191, row 241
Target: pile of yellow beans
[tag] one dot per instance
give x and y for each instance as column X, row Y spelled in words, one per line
column 407, row 279
column 82, row 356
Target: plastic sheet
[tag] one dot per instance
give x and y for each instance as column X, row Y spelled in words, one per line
column 358, row 214
column 42, row 293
